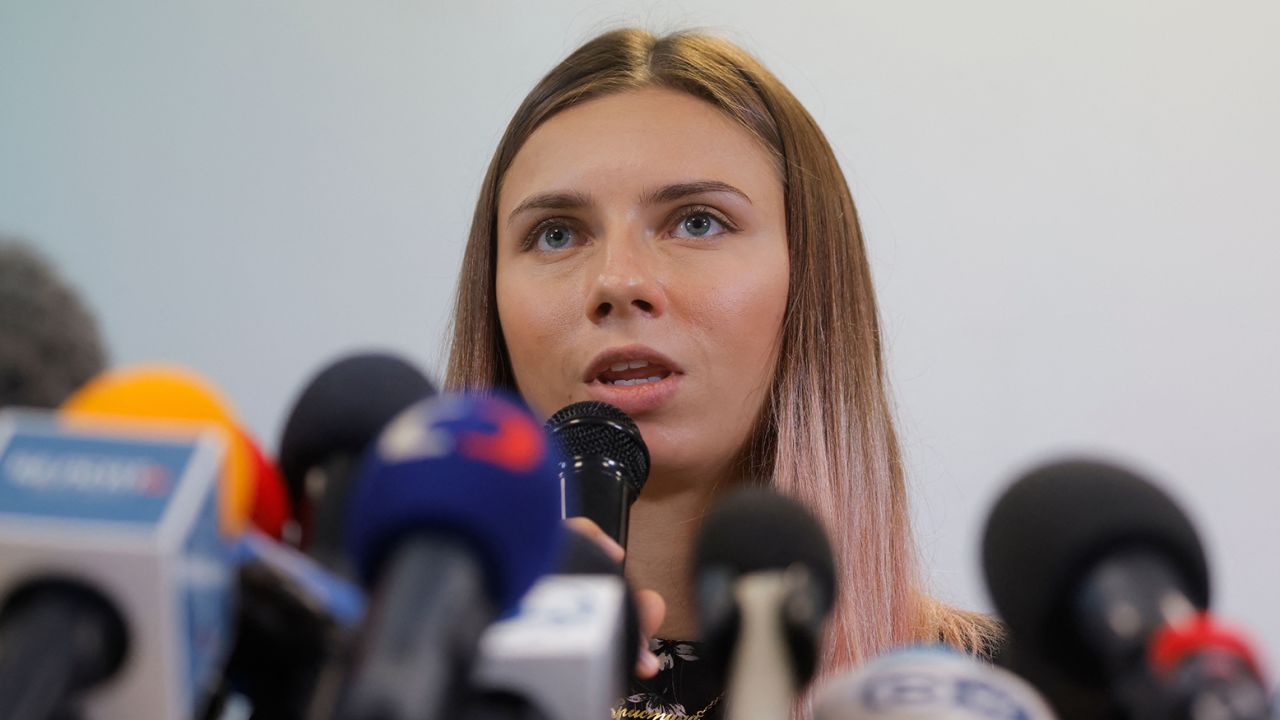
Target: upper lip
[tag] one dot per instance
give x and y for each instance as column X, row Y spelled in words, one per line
column 628, row 353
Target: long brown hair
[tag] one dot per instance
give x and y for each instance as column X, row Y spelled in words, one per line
column 826, row 435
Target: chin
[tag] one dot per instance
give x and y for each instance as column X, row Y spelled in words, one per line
column 683, row 455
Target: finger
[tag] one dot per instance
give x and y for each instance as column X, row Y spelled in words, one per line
column 592, row 531
column 650, row 610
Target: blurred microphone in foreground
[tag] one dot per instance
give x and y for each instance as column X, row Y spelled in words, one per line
column 298, row 615
column 49, row 341
column 337, row 415
column 116, row 575
column 765, row 583
column 570, row 647
column 454, row 515
column 292, row 617
column 1103, row 583
column 287, row 614
column 175, row 395
column 929, row 683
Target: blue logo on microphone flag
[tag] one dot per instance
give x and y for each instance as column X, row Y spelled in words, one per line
column 60, row 475
column 130, row 510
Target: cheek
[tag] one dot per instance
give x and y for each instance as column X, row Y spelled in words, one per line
column 744, row 307
column 758, row 319
column 739, row 313
column 534, row 314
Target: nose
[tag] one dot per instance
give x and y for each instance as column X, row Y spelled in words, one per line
column 624, row 283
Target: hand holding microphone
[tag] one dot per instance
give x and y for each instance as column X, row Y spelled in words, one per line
column 603, row 467
column 604, row 464
column 649, row 607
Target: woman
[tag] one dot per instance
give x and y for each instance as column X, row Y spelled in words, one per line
column 664, row 227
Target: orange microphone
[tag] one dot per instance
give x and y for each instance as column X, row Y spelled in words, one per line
column 175, row 394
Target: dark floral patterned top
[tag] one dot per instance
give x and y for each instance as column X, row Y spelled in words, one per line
column 685, row 686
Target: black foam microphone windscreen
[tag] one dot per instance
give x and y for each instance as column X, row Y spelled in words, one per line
column 49, row 341
column 1056, row 525
column 756, row 531
column 340, row 411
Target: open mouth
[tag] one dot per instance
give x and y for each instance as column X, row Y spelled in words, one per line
column 633, row 372
column 636, row 379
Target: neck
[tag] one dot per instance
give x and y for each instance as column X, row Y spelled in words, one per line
column 664, row 524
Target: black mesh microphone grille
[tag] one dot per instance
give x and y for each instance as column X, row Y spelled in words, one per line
column 50, row 344
column 597, row 429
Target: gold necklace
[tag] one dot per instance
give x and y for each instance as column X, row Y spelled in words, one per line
column 629, row 714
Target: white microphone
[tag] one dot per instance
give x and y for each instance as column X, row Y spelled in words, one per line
column 570, row 647
column 929, row 683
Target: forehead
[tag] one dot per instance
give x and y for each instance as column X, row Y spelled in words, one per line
column 628, row 142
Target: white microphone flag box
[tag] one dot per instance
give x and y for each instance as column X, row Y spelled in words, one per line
column 561, row 649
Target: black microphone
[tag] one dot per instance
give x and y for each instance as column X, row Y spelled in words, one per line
column 58, row 638
column 49, row 341
column 765, row 583
column 604, row 464
column 336, row 416
column 1087, row 563
column 293, row 619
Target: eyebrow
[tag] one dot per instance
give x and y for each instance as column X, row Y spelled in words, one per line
column 664, row 194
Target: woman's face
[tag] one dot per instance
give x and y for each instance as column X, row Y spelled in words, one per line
column 642, row 261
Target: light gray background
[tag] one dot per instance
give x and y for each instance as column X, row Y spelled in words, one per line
column 1071, row 209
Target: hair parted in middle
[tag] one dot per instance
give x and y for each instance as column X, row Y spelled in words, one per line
column 825, row 435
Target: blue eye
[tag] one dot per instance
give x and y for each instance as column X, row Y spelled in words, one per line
column 555, row 237
column 699, row 225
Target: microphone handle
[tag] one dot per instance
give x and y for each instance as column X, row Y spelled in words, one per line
column 328, row 498
column 1212, row 685
column 281, row 643
column 604, row 493
column 428, row 613
column 56, row 641
column 762, row 680
column 1120, row 606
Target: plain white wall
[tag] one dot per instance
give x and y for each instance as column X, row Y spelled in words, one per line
column 1071, row 209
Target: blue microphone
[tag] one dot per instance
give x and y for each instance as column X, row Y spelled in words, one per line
column 455, row 514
